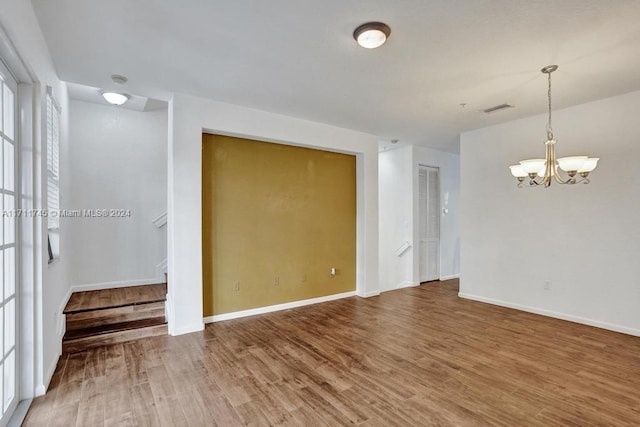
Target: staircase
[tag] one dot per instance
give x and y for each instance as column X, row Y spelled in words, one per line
column 110, row 316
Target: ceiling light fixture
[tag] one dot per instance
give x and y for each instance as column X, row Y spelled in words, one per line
column 118, row 79
column 372, row 34
column 547, row 169
column 115, row 98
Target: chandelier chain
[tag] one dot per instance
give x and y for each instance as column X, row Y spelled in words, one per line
column 549, row 128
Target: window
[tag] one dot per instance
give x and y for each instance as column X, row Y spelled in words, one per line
column 8, row 249
column 53, row 175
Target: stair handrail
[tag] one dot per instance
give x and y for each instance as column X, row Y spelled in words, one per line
column 161, row 220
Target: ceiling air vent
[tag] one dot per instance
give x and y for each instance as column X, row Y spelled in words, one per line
column 497, row 108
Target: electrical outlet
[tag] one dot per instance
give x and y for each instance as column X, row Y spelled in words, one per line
column 236, row 286
column 332, row 272
column 547, row 285
column 277, row 281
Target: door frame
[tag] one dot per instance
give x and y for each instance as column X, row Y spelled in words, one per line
column 11, row 81
column 28, row 241
column 416, row 219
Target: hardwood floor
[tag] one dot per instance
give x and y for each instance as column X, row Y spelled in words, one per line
column 416, row 356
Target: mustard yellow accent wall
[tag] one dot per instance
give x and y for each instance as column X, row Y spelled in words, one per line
column 276, row 219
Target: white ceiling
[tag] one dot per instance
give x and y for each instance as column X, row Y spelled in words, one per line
column 299, row 58
column 94, row 95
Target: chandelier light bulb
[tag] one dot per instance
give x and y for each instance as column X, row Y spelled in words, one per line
column 589, row 165
column 517, row 171
column 532, row 165
column 571, row 164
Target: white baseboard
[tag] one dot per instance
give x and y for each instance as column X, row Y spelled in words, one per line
column 41, row 389
column 60, row 318
column 172, row 330
column 113, row 285
column 401, row 285
column 186, row 329
column 277, row 307
column 555, row 314
column 407, row 284
column 370, row 294
column 451, row 276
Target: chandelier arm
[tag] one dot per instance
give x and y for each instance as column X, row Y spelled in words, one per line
column 527, row 185
column 559, row 180
column 570, row 180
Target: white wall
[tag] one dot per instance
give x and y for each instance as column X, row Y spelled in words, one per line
column 49, row 285
column 117, row 160
column 398, row 189
column 188, row 117
column 395, row 184
column 585, row 239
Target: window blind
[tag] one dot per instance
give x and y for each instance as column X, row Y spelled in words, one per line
column 53, row 161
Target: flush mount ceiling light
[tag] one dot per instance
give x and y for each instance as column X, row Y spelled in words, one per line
column 372, row 34
column 115, row 98
column 542, row 171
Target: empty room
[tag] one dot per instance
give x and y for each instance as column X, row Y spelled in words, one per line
column 371, row 213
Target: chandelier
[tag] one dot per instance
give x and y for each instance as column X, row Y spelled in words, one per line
column 542, row 171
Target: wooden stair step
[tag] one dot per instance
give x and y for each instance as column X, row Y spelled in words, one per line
column 111, row 316
column 76, row 343
column 113, row 298
column 87, row 319
column 107, row 328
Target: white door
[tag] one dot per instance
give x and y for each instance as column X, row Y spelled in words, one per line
column 429, row 223
column 8, row 250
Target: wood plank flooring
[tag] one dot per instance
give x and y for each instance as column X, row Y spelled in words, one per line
column 119, row 297
column 112, row 316
column 417, row 356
